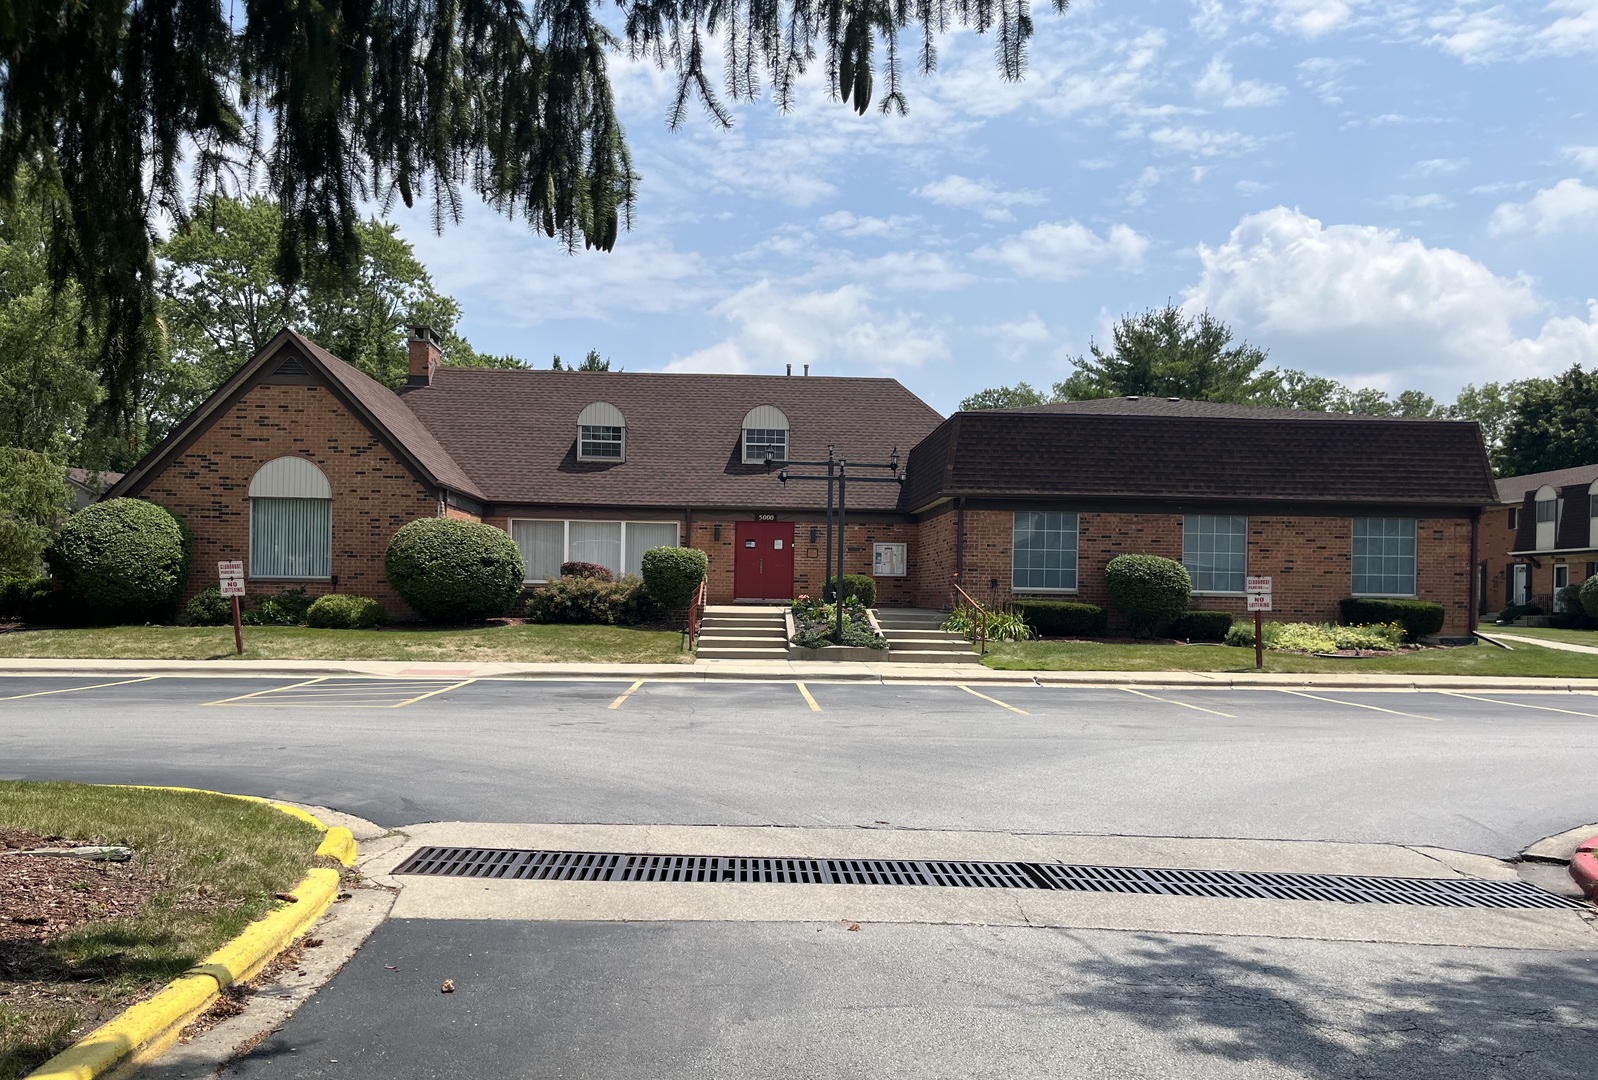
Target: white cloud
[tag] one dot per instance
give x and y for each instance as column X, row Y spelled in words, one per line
column 845, row 223
column 1475, row 37
column 1311, row 18
column 1585, row 157
column 1217, row 83
column 1568, row 206
column 1014, row 340
column 838, row 332
column 1201, row 142
column 1430, row 201
column 1436, row 167
column 1137, row 192
column 1574, row 32
column 1249, row 188
column 1360, row 302
column 982, row 196
column 1056, row 250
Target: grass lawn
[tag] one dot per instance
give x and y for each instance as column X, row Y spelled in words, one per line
column 204, row 867
column 1547, row 633
column 514, row 644
column 1480, row 659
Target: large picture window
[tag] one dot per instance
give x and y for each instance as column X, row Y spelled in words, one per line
column 291, row 521
column 1384, row 556
column 618, row 546
column 1043, row 558
column 1215, row 551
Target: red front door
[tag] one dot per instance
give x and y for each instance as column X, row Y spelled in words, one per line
column 763, row 569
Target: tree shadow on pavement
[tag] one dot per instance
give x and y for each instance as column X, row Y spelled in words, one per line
column 1406, row 1011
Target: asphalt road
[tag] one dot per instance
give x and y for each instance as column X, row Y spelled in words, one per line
column 1488, row 774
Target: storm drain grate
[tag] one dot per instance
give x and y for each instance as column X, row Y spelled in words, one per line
column 528, row 865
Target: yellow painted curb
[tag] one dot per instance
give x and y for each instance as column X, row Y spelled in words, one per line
column 142, row 1032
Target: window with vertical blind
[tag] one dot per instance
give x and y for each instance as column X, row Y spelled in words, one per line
column 291, row 521
column 618, row 546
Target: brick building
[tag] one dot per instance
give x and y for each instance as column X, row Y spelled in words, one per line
column 1540, row 536
column 304, row 468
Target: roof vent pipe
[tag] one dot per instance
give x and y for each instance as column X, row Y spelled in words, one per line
column 807, row 369
column 790, row 369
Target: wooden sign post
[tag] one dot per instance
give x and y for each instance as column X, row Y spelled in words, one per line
column 1259, row 600
column 231, row 575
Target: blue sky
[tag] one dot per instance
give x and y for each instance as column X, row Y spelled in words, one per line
column 1392, row 193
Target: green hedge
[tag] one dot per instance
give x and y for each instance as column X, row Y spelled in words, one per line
column 861, row 587
column 1588, row 595
column 672, row 575
column 1062, row 618
column 454, row 571
column 593, row 570
column 1418, row 617
column 125, row 560
column 1149, row 590
column 345, row 611
column 1202, row 625
column 589, row 600
column 209, row 608
column 286, row 608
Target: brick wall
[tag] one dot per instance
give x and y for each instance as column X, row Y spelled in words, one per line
column 933, row 574
column 1497, row 541
column 373, row 493
column 1309, row 558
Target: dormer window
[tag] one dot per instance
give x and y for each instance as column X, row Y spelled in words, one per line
column 601, row 434
column 765, row 435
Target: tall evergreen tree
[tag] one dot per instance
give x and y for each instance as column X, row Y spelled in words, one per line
column 330, row 103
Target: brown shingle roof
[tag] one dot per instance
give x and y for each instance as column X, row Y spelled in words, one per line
column 515, row 434
column 1513, row 489
column 1160, row 406
column 1305, row 458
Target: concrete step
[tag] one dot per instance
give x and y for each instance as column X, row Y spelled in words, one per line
column 912, row 656
column 743, row 609
column 742, row 642
column 958, row 645
column 778, row 632
column 718, row 652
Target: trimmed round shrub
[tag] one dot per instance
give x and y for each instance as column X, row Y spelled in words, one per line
column 586, row 570
column 672, row 574
column 1419, row 617
column 454, row 571
column 1149, row 590
column 589, row 600
column 209, row 608
column 1062, row 618
column 123, row 560
column 1588, row 596
column 1202, row 625
column 861, row 587
column 345, row 611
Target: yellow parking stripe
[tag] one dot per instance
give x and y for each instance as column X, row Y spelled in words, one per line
column 273, row 690
column 432, row 693
column 73, row 689
column 805, row 690
column 630, row 691
column 1518, row 704
column 995, row 700
column 1358, row 705
column 1185, row 705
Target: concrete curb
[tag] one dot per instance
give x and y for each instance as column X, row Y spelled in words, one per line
column 143, row 1031
column 1584, row 867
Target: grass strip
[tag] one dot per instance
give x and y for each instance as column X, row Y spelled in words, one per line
column 215, row 863
column 525, row 644
column 1527, row 661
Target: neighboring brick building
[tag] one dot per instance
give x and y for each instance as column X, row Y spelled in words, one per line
column 1541, row 535
column 304, row 468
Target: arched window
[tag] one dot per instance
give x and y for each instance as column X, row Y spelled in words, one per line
column 1547, row 517
column 291, row 521
column 601, row 433
column 765, row 435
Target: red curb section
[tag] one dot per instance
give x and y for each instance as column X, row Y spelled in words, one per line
column 1584, row 867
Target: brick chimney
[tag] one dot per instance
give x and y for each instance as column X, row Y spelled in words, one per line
column 425, row 356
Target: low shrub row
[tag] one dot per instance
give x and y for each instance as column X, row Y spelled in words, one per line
column 1419, row 618
column 1062, row 618
column 292, row 607
column 592, row 600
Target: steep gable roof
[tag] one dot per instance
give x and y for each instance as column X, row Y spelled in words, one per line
column 375, row 404
column 1303, row 458
column 515, row 434
column 1513, row 489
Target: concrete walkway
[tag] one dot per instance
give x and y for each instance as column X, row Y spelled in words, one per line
column 1561, row 646
column 780, row 671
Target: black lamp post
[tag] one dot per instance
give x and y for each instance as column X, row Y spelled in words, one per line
column 838, row 472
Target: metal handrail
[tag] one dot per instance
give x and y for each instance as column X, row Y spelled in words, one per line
column 974, row 602
column 696, row 614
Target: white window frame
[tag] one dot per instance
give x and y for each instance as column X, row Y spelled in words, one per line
column 1216, row 592
column 760, row 458
column 1415, row 588
column 566, row 538
column 620, row 441
column 1044, row 590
